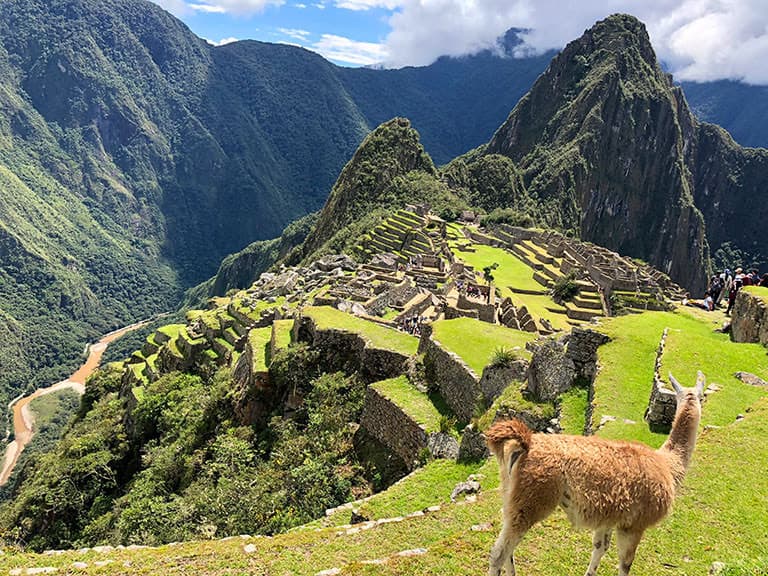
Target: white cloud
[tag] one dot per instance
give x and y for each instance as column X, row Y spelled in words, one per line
column 359, row 5
column 207, row 8
column 223, row 41
column 699, row 39
column 236, row 7
column 294, row 33
column 343, row 49
column 300, row 5
column 319, row 6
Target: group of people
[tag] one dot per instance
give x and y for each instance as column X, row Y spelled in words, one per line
column 469, row 289
column 725, row 286
column 412, row 325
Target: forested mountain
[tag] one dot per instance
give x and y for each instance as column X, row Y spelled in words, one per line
column 135, row 156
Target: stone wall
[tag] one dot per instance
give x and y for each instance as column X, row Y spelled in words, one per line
column 663, row 401
column 386, row 422
column 457, row 383
column 485, row 312
column 350, row 352
column 749, row 318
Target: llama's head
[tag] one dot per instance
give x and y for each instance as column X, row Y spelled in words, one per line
column 689, row 396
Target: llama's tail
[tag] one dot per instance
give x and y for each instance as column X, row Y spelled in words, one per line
column 508, row 440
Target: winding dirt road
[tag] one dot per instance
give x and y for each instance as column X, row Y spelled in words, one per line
column 24, row 418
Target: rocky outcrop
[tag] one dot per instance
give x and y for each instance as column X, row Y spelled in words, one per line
column 473, row 447
column 749, row 318
column 551, row 372
column 496, row 378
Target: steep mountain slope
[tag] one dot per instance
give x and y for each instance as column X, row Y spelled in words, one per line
column 600, row 145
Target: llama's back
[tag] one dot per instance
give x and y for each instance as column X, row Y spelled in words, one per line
column 602, row 482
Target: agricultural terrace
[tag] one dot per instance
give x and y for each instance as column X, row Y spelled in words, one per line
column 327, row 318
column 513, row 273
column 411, row 401
column 475, row 341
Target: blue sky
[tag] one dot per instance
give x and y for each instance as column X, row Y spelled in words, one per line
column 697, row 39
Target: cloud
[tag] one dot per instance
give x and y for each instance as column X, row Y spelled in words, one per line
column 236, row 7
column 222, row 41
column 294, row 33
column 698, row 39
column 341, row 49
column 360, row 5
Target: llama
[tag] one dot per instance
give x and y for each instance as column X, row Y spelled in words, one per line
column 600, row 484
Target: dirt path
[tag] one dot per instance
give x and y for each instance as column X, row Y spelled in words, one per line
column 24, row 418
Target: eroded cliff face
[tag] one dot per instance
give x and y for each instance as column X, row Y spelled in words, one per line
column 601, row 139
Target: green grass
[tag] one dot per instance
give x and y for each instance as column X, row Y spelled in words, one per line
column 259, row 339
column 208, row 317
column 573, row 410
column 282, row 333
column 379, row 336
column 623, row 385
column 760, row 291
column 476, row 341
column 172, row 330
column 415, row 404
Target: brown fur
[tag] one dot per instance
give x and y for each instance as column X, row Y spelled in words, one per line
column 600, row 484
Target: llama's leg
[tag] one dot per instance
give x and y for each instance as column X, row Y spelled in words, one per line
column 626, row 542
column 502, row 553
column 601, row 539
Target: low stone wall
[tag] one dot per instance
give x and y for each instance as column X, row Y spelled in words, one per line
column 350, row 352
column 457, row 383
column 485, row 312
column 749, row 321
column 663, row 401
column 386, row 422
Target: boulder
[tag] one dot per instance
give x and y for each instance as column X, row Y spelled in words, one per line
column 496, row 378
column 473, row 446
column 443, row 445
column 749, row 318
column 551, row 372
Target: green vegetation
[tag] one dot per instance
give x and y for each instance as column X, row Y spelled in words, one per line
column 512, row 274
column 503, row 356
column 512, row 401
column 414, row 403
column 572, row 407
column 282, row 333
column 476, row 342
column 379, row 336
column 565, row 288
column 259, row 339
column 623, row 384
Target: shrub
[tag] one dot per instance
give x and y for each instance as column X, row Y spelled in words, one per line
column 507, row 216
column 503, row 356
column 565, row 288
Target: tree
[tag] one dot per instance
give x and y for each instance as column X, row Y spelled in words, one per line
column 488, row 277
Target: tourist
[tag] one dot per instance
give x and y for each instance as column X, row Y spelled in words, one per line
column 764, row 281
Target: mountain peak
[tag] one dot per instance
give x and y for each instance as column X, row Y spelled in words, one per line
column 588, row 138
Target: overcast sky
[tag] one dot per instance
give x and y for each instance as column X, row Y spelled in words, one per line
column 697, row 39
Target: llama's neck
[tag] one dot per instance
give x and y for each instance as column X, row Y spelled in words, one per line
column 682, row 437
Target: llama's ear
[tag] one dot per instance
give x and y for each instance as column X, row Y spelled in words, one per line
column 700, row 381
column 675, row 384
